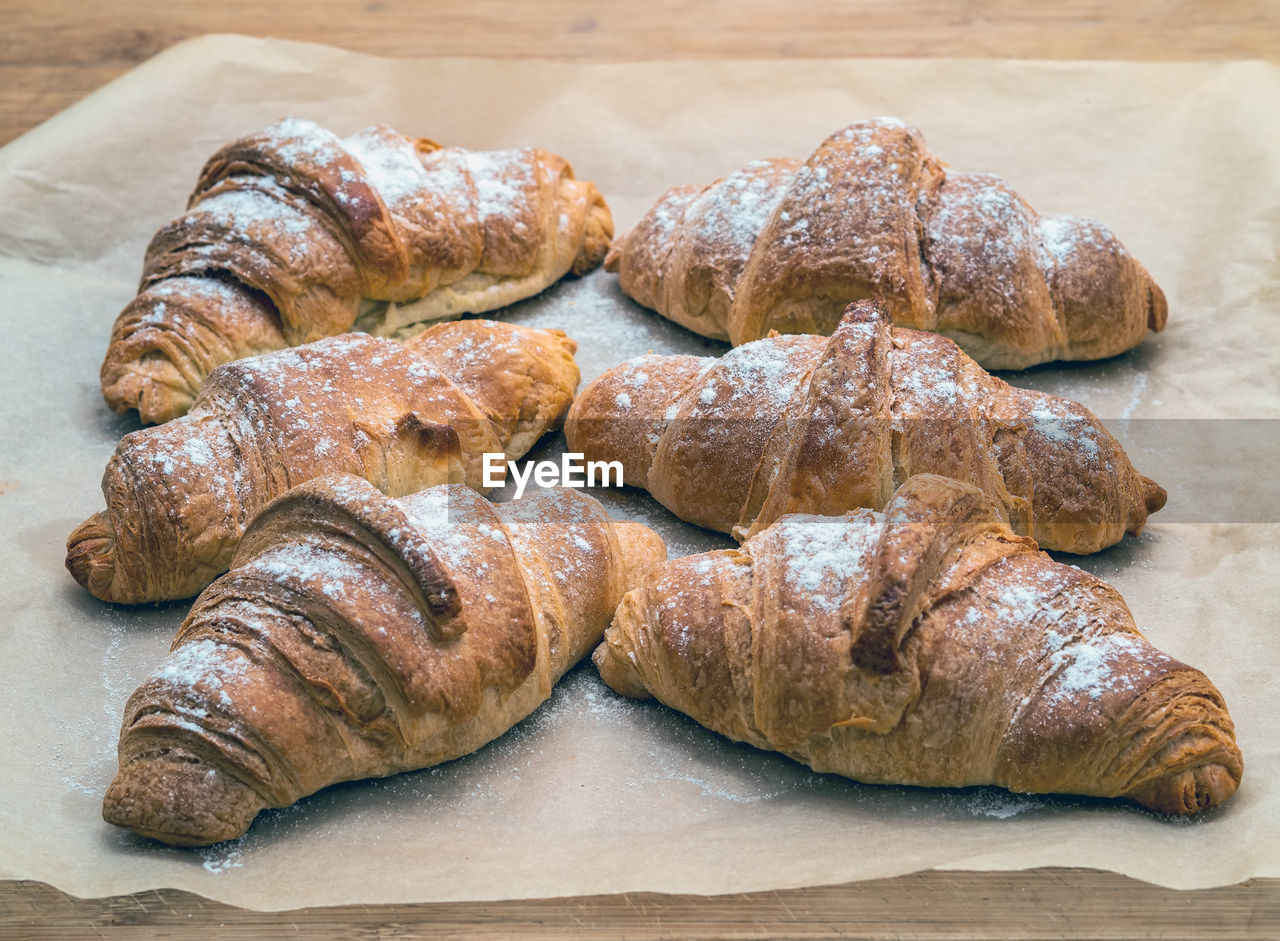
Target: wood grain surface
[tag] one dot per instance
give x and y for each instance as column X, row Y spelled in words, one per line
column 1042, row 903
column 54, row 52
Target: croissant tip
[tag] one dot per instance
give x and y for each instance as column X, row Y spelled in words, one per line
column 156, row 401
column 121, row 389
column 613, row 257
column 1189, row 791
column 618, row 668
column 596, row 244
column 1153, row 495
column 91, row 555
column 1157, row 308
column 179, row 801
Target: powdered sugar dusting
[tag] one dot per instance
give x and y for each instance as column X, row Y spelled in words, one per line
column 1047, row 620
column 1089, row 666
column 204, row 662
column 728, row 217
column 222, row 857
column 155, row 315
column 259, row 211
column 1064, row 236
column 202, row 287
column 391, row 164
column 300, row 141
column 1042, row 596
column 502, row 181
column 932, row 380
column 451, row 518
column 762, row 366
column 185, row 453
column 924, row 381
column 822, row 554
column 660, row 222
column 568, row 532
column 1066, row 423
column 981, row 242
column 998, row 803
column 851, row 200
column 328, row 571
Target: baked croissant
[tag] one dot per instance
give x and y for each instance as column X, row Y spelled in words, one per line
column 806, row 424
column 925, row 645
column 358, row 636
column 786, row 244
column 403, row 417
column 291, row 230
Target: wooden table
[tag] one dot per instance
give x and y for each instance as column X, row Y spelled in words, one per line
column 54, row 52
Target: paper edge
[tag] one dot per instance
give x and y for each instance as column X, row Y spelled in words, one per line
column 961, row 867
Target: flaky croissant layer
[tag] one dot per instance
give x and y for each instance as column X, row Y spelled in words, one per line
column 806, row 424
column 358, row 635
column 786, row 244
column 403, row 416
column 925, row 645
column 293, row 233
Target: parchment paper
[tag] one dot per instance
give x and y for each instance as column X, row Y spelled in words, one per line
column 594, row 794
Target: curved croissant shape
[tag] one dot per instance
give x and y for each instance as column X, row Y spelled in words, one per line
column 806, row 424
column 358, row 636
column 403, row 417
column 925, row 645
column 292, row 233
column 785, row 245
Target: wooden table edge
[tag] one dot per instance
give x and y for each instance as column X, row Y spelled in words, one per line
column 1047, row 902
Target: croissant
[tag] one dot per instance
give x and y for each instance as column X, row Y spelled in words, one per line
column 358, row 636
column 403, row 417
column 806, row 424
column 785, row 245
column 293, row 233
column 926, row 645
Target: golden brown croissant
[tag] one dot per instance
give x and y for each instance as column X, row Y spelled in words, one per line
column 927, row 645
column 402, row 416
column 786, row 244
column 359, row 636
column 289, row 230
column 806, row 424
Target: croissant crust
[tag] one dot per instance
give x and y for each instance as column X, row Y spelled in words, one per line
column 786, row 245
column 925, row 645
column 293, row 235
column 403, row 416
column 358, row 635
column 806, row 424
